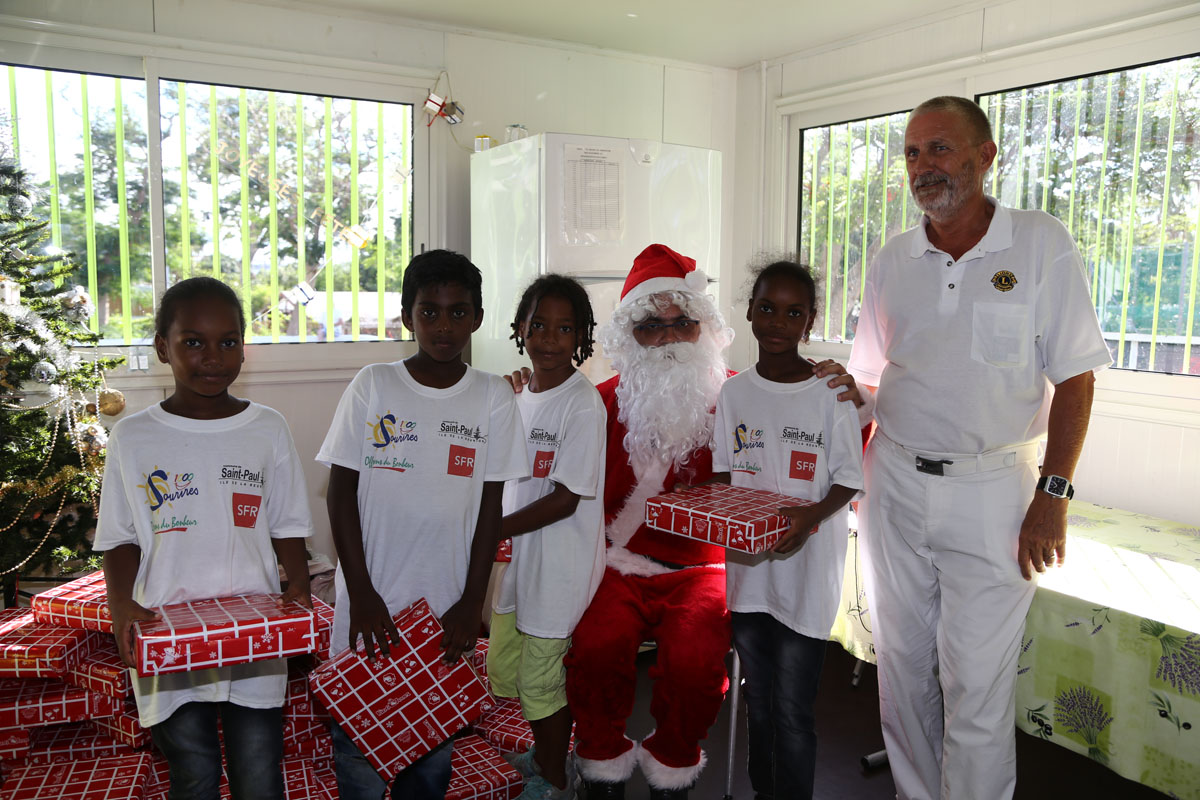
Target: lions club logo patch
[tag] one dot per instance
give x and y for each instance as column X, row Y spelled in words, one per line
column 1004, row 281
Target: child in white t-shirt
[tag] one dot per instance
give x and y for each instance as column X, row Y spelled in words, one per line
column 418, row 452
column 557, row 520
column 202, row 493
column 780, row 428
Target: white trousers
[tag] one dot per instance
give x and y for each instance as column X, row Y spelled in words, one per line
column 948, row 604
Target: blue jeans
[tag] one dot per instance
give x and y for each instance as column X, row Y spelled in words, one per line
column 253, row 751
column 425, row 779
column 782, row 669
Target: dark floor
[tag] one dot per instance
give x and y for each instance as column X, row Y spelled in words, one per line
column 848, row 729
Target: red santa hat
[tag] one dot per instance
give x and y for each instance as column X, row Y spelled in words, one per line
column 658, row 268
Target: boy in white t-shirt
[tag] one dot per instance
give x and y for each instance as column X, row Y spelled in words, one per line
column 557, row 520
column 418, row 452
column 780, row 428
column 202, row 492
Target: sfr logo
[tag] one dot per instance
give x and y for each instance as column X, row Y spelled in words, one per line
column 803, row 466
column 462, row 461
column 543, row 460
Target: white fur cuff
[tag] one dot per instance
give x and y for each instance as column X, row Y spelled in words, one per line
column 611, row 770
column 660, row 776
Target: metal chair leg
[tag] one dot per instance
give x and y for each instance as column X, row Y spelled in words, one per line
column 735, row 689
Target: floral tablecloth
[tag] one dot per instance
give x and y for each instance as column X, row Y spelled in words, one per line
column 1110, row 661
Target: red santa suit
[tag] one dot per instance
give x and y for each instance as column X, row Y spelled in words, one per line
column 659, row 587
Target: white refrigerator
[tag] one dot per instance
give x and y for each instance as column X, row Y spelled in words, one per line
column 584, row 206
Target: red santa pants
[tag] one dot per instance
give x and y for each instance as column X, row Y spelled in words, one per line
column 684, row 613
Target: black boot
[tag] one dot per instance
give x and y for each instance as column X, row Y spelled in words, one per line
column 602, row 790
column 668, row 794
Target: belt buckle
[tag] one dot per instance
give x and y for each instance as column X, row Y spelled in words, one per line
column 931, row 466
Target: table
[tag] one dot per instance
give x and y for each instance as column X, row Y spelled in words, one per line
column 1110, row 660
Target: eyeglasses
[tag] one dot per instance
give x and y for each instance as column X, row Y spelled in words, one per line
column 657, row 327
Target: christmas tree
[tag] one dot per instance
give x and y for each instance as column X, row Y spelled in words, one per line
column 51, row 390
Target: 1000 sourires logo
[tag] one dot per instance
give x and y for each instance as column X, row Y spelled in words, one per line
column 161, row 490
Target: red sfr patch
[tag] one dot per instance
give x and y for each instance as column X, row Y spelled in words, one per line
column 543, row 460
column 245, row 509
column 803, row 466
column 462, row 461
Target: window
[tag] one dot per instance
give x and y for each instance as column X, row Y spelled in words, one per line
column 853, row 197
column 1116, row 157
column 302, row 203
column 82, row 138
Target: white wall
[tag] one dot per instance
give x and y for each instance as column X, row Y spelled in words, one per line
column 545, row 86
column 1143, row 448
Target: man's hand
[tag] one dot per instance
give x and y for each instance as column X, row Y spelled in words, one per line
column 518, row 379
column 829, row 367
column 805, row 520
column 124, row 614
column 460, row 624
column 369, row 617
column 1043, row 535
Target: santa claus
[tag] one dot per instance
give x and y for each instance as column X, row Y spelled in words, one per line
column 666, row 340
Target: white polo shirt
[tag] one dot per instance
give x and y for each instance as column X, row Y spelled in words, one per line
column 965, row 352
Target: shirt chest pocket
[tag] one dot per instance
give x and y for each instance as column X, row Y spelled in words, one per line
column 1001, row 334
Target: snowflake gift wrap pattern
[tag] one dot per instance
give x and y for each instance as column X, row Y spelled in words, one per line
column 479, row 772
column 29, row 649
column 223, row 631
column 397, row 708
column 730, row 516
column 112, row 778
column 82, row 603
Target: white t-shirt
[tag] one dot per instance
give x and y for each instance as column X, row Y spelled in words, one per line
column 555, row 570
column 422, row 457
column 203, row 498
column 796, row 439
column 961, row 350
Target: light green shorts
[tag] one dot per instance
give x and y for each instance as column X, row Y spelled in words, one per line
column 527, row 667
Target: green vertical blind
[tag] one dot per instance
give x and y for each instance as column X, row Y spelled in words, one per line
column 853, row 197
column 82, row 138
column 1116, row 157
column 272, row 190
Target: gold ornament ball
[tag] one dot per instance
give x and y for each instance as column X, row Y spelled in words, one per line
column 112, row 402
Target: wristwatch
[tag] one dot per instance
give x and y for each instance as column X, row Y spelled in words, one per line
column 1056, row 486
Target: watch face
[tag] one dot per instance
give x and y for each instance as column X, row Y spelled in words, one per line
column 1057, row 486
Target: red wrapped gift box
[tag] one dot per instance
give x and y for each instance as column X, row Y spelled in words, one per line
column 479, row 657
column 478, row 771
column 504, row 551
column 223, row 631
column 75, row 740
column 35, row 702
column 14, row 744
column 102, row 670
column 112, row 778
column 29, row 649
column 324, row 614
column 731, row 516
column 82, row 603
column 505, row 727
column 125, row 726
column 398, row 708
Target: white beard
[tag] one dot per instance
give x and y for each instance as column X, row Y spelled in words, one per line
column 666, row 397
